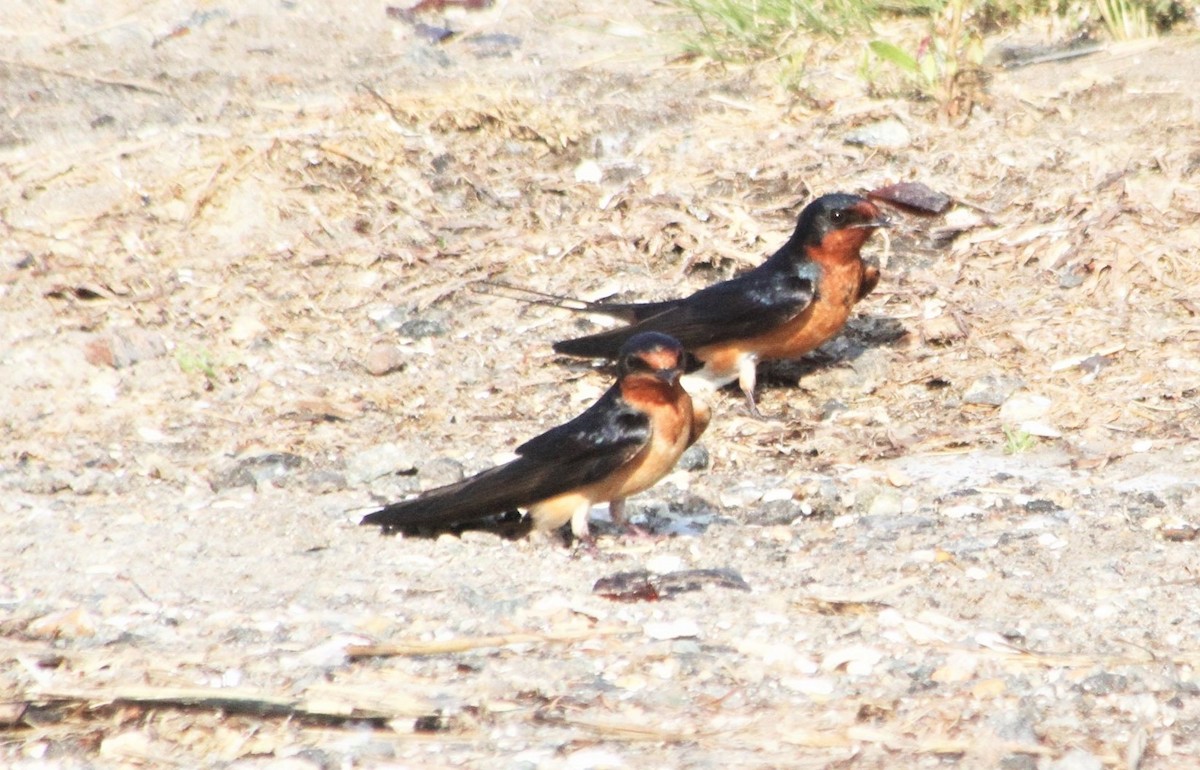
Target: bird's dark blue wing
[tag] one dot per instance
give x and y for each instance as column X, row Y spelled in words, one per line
column 580, row 452
column 745, row 306
column 609, row 433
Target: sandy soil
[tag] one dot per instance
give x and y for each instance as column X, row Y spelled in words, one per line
column 968, row 531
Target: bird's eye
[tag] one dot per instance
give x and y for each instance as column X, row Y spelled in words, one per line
column 838, row 216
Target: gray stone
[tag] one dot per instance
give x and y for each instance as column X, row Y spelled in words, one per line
column 992, row 390
column 886, row 503
column 1015, row 726
column 1023, row 407
column 125, row 347
column 888, row 134
column 1104, row 683
column 380, row 460
column 417, row 328
column 1018, row 762
column 388, row 319
column 889, row 526
column 694, row 458
column 258, row 470
column 440, row 471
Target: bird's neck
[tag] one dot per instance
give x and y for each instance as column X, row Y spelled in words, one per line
column 840, row 247
column 645, row 391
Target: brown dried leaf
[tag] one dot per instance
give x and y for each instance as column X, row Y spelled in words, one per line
column 913, row 197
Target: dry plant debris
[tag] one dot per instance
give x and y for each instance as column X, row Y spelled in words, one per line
column 969, row 538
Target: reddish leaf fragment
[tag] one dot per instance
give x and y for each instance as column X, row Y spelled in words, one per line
column 914, row 197
column 644, row 586
column 633, row 586
column 442, row 5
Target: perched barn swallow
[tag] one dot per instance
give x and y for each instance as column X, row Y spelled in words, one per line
column 621, row 445
column 788, row 306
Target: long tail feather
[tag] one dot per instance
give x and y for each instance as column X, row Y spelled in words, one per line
column 492, row 492
column 625, row 312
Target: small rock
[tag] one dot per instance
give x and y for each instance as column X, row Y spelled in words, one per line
column 258, row 470
column 740, row 496
column 886, row 503
column 441, row 471
column 890, row 526
column 778, row 512
column 1072, row 276
column 1014, row 726
column 663, row 563
column 588, row 172
column 856, row 659
column 388, row 319
column 1024, row 407
column 324, row 480
column 1077, row 759
column 1018, row 762
column 694, row 458
column 1040, row 429
column 831, row 409
column 1104, row 683
column 403, row 322
column 419, row 328
column 384, row 358
column 379, row 461
column 886, row 134
column 44, row 481
column 131, row 745
column 991, row 390
column 815, row 686
column 493, row 45
column 661, row 630
column 125, row 347
column 818, row 498
column 246, row 328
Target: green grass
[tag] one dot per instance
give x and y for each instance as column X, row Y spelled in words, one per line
column 754, row 30
column 941, row 64
column 935, row 66
column 1126, row 19
column 201, row 361
column 1017, row 441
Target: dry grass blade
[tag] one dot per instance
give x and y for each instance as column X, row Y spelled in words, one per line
column 134, row 85
column 478, row 642
column 324, row 704
column 616, row 729
column 894, row 741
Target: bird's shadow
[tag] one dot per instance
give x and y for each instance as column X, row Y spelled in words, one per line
column 860, row 334
column 668, row 520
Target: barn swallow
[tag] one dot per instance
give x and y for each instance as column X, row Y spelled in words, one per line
column 621, row 445
column 791, row 304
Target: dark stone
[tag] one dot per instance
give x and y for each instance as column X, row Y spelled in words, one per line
column 694, row 458
column 257, row 470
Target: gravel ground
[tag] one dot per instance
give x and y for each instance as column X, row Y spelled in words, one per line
column 235, row 308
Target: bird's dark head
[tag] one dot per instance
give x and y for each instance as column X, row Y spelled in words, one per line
column 651, row 355
column 837, row 224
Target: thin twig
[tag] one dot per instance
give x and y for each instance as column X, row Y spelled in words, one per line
column 478, row 642
column 133, row 85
